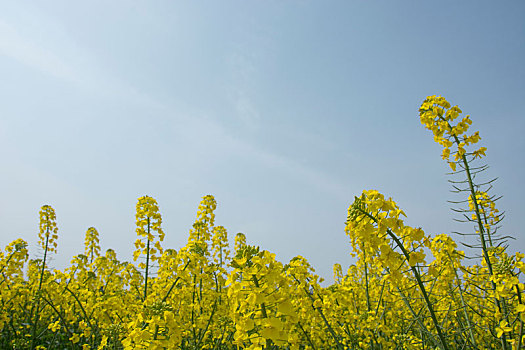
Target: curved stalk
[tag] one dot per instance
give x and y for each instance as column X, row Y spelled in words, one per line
column 418, row 280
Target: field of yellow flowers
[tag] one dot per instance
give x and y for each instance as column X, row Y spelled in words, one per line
column 407, row 289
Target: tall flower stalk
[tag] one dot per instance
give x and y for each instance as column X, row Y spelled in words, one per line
column 450, row 131
column 438, row 116
column 148, row 220
column 48, row 235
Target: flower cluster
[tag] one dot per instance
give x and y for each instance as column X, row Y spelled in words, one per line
column 92, row 244
column 149, row 222
column 438, row 116
column 406, row 289
column 48, row 233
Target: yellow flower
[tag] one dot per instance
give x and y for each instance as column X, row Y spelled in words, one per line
column 416, row 258
column 54, row 326
column 91, row 243
column 503, row 328
column 520, row 308
column 48, row 229
column 75, row 338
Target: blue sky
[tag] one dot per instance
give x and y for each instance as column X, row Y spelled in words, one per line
column 284, row 111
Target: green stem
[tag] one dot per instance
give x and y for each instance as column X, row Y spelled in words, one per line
column 306, row 335
column 269, row 343
column 380, row 297
column 59, row 314
column 366, row 281
column 418, row 280
column 207, row 325
column 481, row 229
column 474, row 200
column 175, row 282
column 33, row 330
column 463, row 304
column 193, row 307
column 320, row 311
column 520, row 336
column 478, row 212
column 81, row 308
column 422, row 288
column 147, row 264
column 416, row 316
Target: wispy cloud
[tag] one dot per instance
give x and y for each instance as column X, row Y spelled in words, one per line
column 16, row 46
column 39, row 42
column 301, row 172
column 242, row 71
column 246, row 111
column 54, row 52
